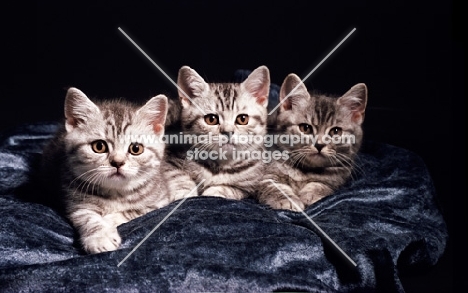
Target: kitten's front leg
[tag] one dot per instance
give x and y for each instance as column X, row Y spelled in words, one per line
column 179, row 183
column 313, row 192
column 224, row 191
column 273, row 194
column 97, row 234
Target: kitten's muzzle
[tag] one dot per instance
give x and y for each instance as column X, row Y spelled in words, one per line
column 224, row 137
column 117, row 164
column 227, row 134
column 319, row 146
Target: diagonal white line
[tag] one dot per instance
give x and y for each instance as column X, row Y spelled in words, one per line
column 321, row 232
column 160, row 69
column 310, row 73
column 159, row 224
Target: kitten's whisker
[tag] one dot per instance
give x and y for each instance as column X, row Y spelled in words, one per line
column 140, row 171
column 298, row 158
column 346, row 163
column 90, row 182
column 200, row 146
column 356, row 169
column 301, row 155
column 345, row 160
column 302, row 159
column 341, row 159
column 293, row 158
column 85, row 180
column 98, row 178
column 83, row 174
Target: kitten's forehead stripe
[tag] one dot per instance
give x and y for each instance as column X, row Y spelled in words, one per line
column 226, row 95
column 328, row 116
column 221, row 103
column 106, row 115
column 324, row 112
column 111, row 130
column 117, row 117
column 124, row 130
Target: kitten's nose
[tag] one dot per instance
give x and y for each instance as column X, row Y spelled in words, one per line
column 117, row 159
column 226, row 129
column 228, row 134
column 117, row 164
column 319, row 146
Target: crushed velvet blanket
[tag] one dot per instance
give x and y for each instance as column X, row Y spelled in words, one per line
column 385, row 218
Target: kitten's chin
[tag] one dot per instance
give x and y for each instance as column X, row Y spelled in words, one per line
column 115, row 181
column 228, row 147
column 119, row 174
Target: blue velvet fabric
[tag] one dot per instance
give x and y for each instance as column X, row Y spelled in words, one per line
column 385, row 218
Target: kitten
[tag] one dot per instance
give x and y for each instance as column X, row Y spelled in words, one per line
column 314, row 170
column 225, row 112
column 107, row 174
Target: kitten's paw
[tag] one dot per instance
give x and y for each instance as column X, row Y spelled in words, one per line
column 183, row 194
column 286, row 204
column 313, row 192
column 102, row 241
column 223, row 191
column 214, row 191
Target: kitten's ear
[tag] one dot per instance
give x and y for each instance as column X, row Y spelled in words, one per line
column 258, row 85
column 292, row 90
column 78, row 107
column 190, row 85
column 355, row 100
column 154, row 112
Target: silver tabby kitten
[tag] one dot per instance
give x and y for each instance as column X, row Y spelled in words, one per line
column 314, row 169
column 224, row 112
column 107, row 175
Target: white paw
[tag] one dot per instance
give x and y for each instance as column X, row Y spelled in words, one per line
column 106, row 239
column 183, row 194
column 218, row 191
column 313, row 192
column 286, row 204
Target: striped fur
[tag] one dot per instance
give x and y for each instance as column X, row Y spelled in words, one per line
column 225, row 176
column 103, row 190
column 313, row 171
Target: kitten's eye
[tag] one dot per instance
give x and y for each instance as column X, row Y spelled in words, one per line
column 211, row 119
column 99, row 146
column 335, row 131
column 242, row 119
column 306, row 128
column 136, row 149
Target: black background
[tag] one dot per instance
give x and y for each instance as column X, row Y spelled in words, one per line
column 409, row 55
